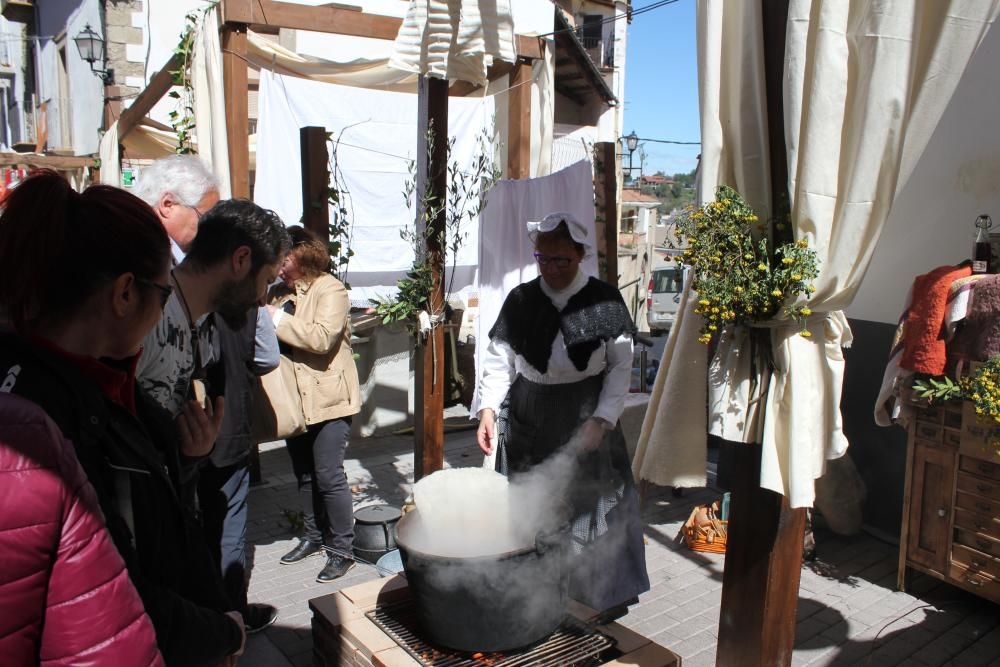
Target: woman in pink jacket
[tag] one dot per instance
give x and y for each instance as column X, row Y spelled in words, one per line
column 65, row 597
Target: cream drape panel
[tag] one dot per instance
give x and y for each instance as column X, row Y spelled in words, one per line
column 865, row 85
column 111, row 166
column 454, row 39
column 671, row 445
column 210, row 100
column 361, row 72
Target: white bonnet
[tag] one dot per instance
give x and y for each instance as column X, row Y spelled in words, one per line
column 552, row 220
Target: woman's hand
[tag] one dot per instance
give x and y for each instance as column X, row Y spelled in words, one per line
column 486, row 433
column 591, row 434
column 199, row 427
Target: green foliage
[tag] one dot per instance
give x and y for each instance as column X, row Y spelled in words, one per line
column 465, row 200
column 341, row 216
column 937, row 389
column 182, row 116
column 738, row 277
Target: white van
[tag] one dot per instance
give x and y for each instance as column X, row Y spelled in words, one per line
column 663, row 298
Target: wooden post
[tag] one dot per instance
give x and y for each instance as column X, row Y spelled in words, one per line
column 315, row 181
column 428, row 450
column 519, row 121
column 234, row 70
column 760, row 583
column 611, row 175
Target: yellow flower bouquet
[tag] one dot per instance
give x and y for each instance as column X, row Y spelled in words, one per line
column 983, row 388
column 739, row 277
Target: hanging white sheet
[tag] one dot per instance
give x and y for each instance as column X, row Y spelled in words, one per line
column 378, row 136
column 505, row 253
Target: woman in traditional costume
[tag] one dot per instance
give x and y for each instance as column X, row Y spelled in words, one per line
column 555, row 377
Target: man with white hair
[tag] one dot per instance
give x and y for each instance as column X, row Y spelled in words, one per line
column 181, row 190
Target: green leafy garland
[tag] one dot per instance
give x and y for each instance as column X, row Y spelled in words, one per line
column 182, row 116
column 739, row 278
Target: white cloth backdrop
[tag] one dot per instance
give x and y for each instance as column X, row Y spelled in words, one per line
column 865, row 84
column 378, row 132
column 505, row 253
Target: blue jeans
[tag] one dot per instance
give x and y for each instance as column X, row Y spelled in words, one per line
column 222, row 494
column 318, row 463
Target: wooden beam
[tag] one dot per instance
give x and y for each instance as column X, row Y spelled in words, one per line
column 57, row 162
column 315, row 181
column 267, row 16
column 234, row 70
column 159, row 84
column 760, row 581
column 430, row 384
column 519, row 122
column 262, row 15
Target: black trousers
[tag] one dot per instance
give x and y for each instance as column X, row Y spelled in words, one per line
column 318, row 463
column 222, row 495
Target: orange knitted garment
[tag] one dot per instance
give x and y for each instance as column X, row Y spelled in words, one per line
column 924, row 348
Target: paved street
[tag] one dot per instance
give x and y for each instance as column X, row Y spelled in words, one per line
column 849, row 611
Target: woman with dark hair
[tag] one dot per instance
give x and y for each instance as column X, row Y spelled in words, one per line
column 555, row 376
column 312, row 319
column 83, row 278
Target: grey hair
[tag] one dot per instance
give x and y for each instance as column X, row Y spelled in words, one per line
column 184, row 176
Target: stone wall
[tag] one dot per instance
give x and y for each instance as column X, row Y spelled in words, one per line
column 124, row 21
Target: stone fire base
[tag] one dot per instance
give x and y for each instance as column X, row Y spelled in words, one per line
column 343, row 635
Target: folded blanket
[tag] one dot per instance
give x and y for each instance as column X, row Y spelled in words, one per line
column 979, row 337
column 924, row 348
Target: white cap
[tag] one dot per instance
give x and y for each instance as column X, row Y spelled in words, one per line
column 577, row 231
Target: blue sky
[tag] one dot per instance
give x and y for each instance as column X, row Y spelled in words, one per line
column 661, row 85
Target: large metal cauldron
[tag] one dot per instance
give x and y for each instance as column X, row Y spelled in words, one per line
column 488, row 603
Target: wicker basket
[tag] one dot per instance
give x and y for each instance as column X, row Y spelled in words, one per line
column 704, row 531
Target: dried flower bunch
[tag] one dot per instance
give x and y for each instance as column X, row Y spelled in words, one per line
column 983, row 389
column 737, row 277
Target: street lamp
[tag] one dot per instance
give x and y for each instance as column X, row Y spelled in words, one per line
column 91, row 48
column 631, row 143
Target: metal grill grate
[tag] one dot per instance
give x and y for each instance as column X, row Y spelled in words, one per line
column 572, row 645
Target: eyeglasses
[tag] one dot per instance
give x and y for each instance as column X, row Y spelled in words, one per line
column 555, row 260
column 165, row 290
column 200, row 214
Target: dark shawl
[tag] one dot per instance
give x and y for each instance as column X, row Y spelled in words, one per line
column 529, row 322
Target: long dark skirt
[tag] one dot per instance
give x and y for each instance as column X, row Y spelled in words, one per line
column 535, row 423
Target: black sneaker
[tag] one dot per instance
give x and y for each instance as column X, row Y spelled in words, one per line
column 336, row 567
column 258, row 616
column 304, row 549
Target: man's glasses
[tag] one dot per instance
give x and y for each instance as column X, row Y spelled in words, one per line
column 200, row 214
column 165, row 290
column 555, row 260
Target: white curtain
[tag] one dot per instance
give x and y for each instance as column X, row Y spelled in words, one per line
column 111, row 166
column 671, row 448
column 454, row 39
column 209, row 100
column 865, row 84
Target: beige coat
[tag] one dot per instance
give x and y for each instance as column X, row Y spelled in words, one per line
column 319, row 334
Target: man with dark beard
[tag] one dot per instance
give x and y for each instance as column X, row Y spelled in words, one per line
column 232, row 250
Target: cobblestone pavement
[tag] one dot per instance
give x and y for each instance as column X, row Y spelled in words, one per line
column 849, row 612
